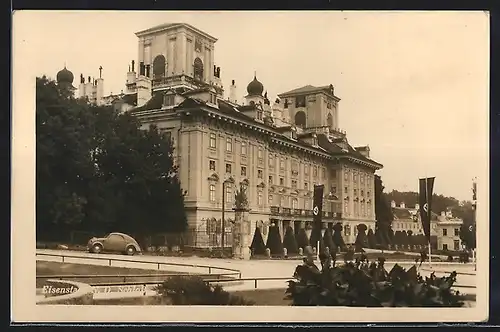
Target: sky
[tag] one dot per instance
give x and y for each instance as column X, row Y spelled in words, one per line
column 413, row 86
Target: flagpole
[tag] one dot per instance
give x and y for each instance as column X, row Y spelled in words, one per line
column 429, row 214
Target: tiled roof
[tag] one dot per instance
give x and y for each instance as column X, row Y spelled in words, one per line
column 323, row 141
column 306, row 89
column 401, row 213
column 170, row 25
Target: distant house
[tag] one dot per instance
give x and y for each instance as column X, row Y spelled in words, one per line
column 445, row 229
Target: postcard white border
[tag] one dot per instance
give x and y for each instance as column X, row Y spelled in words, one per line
column 23, row 304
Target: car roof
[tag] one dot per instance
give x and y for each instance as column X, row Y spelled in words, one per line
column 128, row 237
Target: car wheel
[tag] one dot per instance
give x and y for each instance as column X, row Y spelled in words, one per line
column 130, row 250
column 97, row 248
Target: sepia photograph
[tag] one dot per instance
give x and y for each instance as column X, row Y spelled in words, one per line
column 213, row 166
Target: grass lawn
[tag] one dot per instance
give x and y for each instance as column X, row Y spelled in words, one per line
column 55, row 268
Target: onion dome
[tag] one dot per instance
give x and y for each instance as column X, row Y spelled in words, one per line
column 64, row 76
column 255, row 88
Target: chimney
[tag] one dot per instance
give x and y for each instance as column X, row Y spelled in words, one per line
column 232, row 92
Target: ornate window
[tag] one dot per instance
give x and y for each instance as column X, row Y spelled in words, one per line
column 282, row 164
column 211, row 165
column 346, row 206
column 260, row 154
column 271, row 161
column 315, row 171
column 300, row 119
column 300, row 101
column 229, row 145
column 294, row 184
column 243, row 171
column 213, row 140
column 228, row 168
column 229, row 194
column 270, row 199
column 295, row 203
column 259, row 174
column 282, row 201
column 346, row 175
column 198, row 69
column 270, row 179
column 159, row 65
column 212, row 193
column 306, row 169
column 243, row 148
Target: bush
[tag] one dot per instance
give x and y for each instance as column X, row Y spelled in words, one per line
column 372, row 241
column 181, row 290
column 463, row 257
column 328, row 241
column 274, row 241
column 289, row 241
column 364, row 284
column 258, row 247
column 337, row 237
column 361, row 239
column 302, row 239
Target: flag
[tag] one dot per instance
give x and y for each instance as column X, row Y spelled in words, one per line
column 426, row 186
column 318, row 205
column 474, row 190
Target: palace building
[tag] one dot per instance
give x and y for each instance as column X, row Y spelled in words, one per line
column 278, row 150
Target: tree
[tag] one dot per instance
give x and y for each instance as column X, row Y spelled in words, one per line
column 97, row 170
column 337, row 237
column 258, row 247
column 289, row 241
column 328, row 241
column 372, row 241
column 62, row 163
column 302, row 239
column 361, row 239
column 383, row 211
column 274, row 241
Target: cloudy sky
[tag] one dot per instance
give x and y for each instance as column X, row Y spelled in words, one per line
column 413, row 85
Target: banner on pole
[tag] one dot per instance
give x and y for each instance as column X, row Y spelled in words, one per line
column 318, row 205
column 426, row 187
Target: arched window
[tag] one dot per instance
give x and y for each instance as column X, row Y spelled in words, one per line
column 329, row 120
column 300, row 119
column 198, row 69
column 159, row 64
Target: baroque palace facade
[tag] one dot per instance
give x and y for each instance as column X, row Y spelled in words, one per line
column 279, row 151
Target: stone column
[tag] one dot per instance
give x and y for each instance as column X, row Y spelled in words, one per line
column 242, row 234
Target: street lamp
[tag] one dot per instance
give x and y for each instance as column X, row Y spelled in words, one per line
column 223, row 231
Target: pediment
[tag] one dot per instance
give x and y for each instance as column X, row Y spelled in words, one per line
column 261, row 185
column 213, row 177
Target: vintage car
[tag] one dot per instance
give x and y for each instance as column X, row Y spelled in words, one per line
column 114, row 242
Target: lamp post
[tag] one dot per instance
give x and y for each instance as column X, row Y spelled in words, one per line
column 223, row 231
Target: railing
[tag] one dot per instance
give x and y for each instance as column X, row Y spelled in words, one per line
column 158, row 264
column 219, row 281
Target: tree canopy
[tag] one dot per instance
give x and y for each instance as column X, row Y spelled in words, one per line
column 98, row 170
